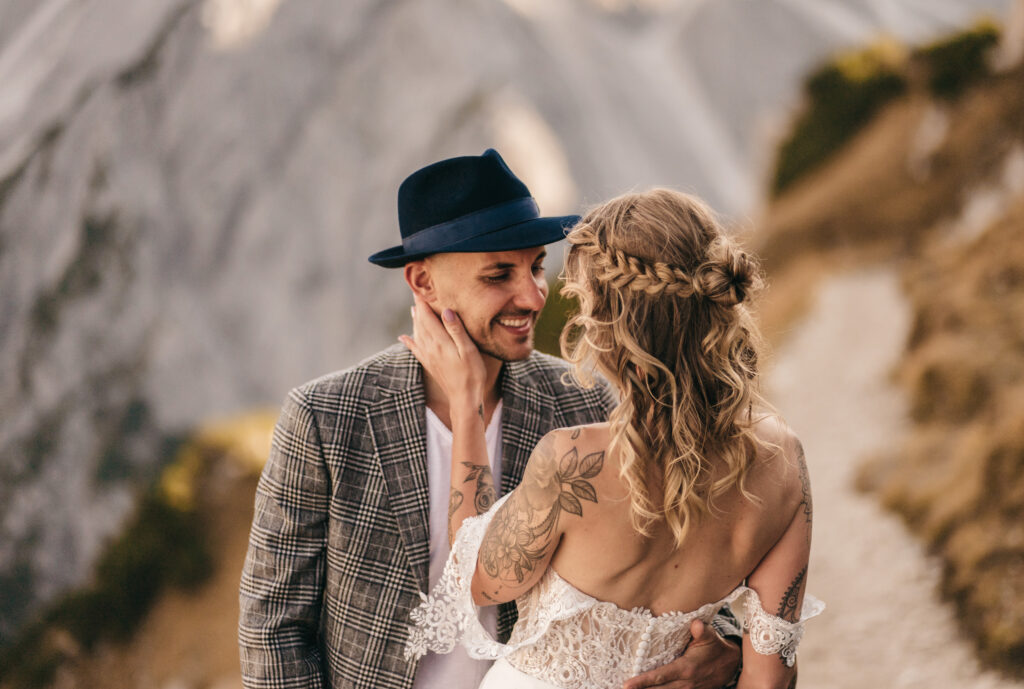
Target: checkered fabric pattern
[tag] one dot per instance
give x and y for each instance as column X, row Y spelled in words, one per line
column 339, row 545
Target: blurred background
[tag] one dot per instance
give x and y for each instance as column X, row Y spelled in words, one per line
column 189, row 190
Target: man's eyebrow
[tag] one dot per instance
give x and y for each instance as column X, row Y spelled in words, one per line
column 504, row 265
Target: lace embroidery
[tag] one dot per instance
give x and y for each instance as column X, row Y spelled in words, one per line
column 568, row 638
column 449, row 615
column 770, row 635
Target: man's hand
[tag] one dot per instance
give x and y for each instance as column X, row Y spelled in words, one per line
column 709, row 662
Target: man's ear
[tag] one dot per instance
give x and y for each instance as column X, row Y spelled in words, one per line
column 418, row 277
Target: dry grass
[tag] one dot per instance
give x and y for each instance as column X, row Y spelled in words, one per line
column 959, row 478
column 959, row 481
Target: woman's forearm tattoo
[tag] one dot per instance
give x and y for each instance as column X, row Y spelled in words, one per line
column 481, row 498
column 806, row 502
column 485, row 495
column 521, row 534
column 788, row 608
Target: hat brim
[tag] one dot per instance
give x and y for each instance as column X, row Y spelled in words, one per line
column 529, row 233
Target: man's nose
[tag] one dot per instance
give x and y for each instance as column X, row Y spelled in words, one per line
column 531, row 294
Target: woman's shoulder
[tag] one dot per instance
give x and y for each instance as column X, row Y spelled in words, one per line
column 583, row 436
column 573, row 454
column 576, row 442
column 772, row 431
column 780, row 455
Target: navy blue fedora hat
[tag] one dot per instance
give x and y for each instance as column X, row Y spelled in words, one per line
column 469, row 203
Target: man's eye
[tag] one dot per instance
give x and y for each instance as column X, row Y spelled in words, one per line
column 494, row 279
column 538, row 269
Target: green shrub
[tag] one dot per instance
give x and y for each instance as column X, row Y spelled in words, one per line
column 552, row 320
column 162, row 547
column 956, row 62
column 31, row 662
column 841, row 97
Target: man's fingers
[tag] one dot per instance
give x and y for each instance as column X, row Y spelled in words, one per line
column 706, row 660
column 667, row 684
column 675, row 675
column 644, row 681
column 697, row 629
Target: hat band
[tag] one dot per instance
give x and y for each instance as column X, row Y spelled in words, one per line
column 474, row 224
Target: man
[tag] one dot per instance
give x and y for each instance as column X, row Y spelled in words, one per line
column 352, row 507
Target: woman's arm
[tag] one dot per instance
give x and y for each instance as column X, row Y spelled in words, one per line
column 452, row 360
column 472, row 484
column 528, row 527
column 780, row 581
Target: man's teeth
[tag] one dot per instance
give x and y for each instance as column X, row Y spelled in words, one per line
column 514, row 322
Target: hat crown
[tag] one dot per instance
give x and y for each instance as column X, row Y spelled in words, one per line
column 468, row 204
column 454, row 188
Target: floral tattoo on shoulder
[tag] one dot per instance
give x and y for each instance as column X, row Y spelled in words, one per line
column 521, row 534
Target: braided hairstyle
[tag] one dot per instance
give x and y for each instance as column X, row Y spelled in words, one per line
column 663, row 316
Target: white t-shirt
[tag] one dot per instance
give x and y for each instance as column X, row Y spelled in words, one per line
column 455, row 670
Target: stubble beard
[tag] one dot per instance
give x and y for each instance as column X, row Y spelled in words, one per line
column 493, row 350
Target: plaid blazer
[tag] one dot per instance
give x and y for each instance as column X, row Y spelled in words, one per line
column 339, row 548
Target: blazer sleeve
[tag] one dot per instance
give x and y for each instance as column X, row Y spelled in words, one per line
column 283, row 576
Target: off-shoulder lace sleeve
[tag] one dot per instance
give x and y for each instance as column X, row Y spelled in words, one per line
column 771, row 635
column 448, row 615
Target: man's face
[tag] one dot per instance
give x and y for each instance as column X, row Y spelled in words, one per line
column 498, row 295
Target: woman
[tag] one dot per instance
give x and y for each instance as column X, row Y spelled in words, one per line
column 621, row 534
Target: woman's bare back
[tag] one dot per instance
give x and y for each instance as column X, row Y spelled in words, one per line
column 602, row 555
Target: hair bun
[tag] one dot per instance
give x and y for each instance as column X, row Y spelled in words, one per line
column 729, row 275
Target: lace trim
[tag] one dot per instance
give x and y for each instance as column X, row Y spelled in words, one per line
column 554, row 616
column 597, row 644
column 771, row 635
column 448, row 615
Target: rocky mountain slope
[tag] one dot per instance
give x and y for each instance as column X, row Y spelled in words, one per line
column 188, row 190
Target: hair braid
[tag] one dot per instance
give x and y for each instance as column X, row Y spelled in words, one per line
column 622, row 271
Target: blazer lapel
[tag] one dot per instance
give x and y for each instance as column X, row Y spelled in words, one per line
column 397, row 422
column 527, row 415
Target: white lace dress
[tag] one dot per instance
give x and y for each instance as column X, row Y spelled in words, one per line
column 565, row 639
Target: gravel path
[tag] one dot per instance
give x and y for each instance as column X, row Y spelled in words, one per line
column 884, row 626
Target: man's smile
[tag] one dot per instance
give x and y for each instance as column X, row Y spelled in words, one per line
column 517, row 325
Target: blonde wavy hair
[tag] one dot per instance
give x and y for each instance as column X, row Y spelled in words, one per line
column 662, row 295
